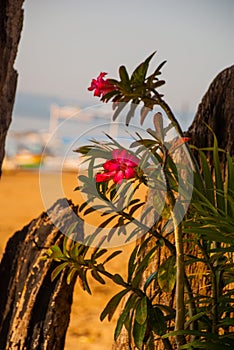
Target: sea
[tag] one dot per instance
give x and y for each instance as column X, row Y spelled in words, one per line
column 57, row 127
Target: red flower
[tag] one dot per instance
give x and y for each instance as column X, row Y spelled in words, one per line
column 122, row 166
column 100, row 86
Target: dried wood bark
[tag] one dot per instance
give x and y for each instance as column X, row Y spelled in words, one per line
column 217, row 110
column 34, row 312
column 11, row 23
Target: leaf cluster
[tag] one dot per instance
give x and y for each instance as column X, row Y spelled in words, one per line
column 143, row 319
column 79, row 260
column 135, row 89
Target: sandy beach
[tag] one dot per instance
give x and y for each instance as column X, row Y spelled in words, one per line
column 20, row 202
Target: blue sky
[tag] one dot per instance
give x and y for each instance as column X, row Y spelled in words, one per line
column 67, row 42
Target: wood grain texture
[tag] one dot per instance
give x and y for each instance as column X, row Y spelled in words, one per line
column 11, row 23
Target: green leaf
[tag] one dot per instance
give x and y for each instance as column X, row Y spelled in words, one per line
column 118, row 280
column 131, row 263
column 90, row 210
column 207, row 176
column 54, row 252
column 133, row 233
column 147, row 143
column 135, row 207
column 97, row 253
column 205, row 335
column 71, row 274
column 84, row 204
column 144, row 112
column 150, row 279
column 120, row 107
column 141, row 311
column 158, row 69
column 110, row 257
column 229, row 187
column 74, row 251
column 158, row 84
column 157, row 321
column 83, row 149
column 110, row 94
column 72, row 228
column 67, row 239
column 158, row 124
column 139, row 333
column 90, row 168
column 194, row 318
column 206, row 345
column 227, row 321
column 149, row 345
column 123, row 75
column 167, row 274
column 97, row 276
column 112, row 305
column 142, row 266
column 169, row 311
column 84, row 179
column 106, row 222
column 57, row 270
column 218, row 176
column 83, row 280
column 125, row 313
column 138, row 76
column 131, row 112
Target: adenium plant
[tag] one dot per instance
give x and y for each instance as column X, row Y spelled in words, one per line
column 161, row 305
column 101, row 86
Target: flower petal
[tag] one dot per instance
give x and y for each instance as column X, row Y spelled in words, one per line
column 129, row 173
column 101, row 76
column 104, row 177
column 130, row 163
column 97, row 92
column 111, row 165
column 133, row 159
column 116, row 153
column 124, row 157
column 119, row 176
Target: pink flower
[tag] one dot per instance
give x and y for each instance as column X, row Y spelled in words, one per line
column 122, row 166
column 100, row 86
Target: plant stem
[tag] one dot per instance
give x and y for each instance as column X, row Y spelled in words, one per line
column 152, row 231
column 214, row 304
column 191, row 305
column 214, row 288
column 180, row 274
column 177, row 127
column 179, row 294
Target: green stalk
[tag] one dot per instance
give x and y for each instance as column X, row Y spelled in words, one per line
column 152, row 231
column 180, row 267
column 214, row 289
column 179, row 293
column 176, row 125
column 214, row 304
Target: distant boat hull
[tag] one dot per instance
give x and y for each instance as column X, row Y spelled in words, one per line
column 28, row 161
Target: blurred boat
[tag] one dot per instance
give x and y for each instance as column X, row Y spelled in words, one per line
column 24, row 150
column 28, row 160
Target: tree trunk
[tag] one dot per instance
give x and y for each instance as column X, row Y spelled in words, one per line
column 34, row 312
column 216, row 110
column 11, row 23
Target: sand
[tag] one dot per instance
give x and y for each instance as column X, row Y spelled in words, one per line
column 20, row 202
